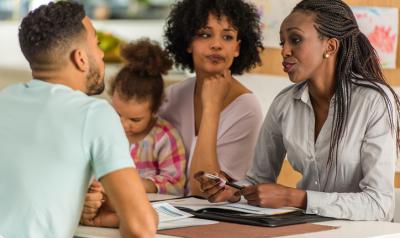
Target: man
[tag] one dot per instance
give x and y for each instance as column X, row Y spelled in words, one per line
column 53, row 136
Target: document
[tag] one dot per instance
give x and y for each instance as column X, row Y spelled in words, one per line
column 197, row 204
column 171, row 217
column 166, row 212
column 243, row 213
column 184, row 223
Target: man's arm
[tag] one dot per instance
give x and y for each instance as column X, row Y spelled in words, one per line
column 136, row 216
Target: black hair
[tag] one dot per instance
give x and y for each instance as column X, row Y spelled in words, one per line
column 47, row 32
column 357, row 63
column 188, row 16
column 140, row 78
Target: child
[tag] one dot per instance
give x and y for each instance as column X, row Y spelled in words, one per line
column 156, row 147
column 136, row 93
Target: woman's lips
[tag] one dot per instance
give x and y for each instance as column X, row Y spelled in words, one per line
column 215, row 58
column 288, row 66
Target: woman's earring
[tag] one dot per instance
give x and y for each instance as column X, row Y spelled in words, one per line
column 326, row 55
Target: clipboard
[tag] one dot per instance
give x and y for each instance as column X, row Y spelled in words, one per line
column 298, row 217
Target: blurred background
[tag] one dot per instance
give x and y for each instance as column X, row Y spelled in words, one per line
column 116, row 22
column 96, row 9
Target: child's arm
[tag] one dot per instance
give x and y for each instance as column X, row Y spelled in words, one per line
column 171, row 163
column 149, row 186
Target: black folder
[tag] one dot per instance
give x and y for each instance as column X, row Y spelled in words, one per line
column 292, row 218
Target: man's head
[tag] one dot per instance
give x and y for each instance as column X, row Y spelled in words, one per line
column 59, row 42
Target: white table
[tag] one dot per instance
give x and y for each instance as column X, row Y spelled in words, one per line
column 98, row 232
column 351, row 229
column 355, row 229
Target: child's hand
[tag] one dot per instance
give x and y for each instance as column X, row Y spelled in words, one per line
column 94, row 199
column 96, row 187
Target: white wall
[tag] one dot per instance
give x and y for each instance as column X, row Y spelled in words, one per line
column 14, row 68
column 12, row 57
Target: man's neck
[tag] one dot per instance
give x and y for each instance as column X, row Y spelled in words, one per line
column 58, row 77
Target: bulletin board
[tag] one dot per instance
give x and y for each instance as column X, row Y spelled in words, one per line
column 272, row 59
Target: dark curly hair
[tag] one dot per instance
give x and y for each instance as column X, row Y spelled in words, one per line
column 357, row 63
column 188, row 16
column 48, row 31
column 140, row 78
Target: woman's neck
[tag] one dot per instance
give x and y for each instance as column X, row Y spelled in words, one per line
column 322, row 88
column 321, row 92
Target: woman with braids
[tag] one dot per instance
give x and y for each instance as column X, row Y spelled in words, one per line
column 338, row 125
column 218, row 118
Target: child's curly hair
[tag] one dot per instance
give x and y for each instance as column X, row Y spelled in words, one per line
column 188, row 16
column 140, row 78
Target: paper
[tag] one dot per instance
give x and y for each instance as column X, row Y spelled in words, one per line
column 166, row 212
column 380, row 25
column 171, row 217
column 184, row 223
column 241, row 206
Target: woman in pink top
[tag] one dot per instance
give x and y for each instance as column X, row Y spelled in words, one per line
column 218, row 117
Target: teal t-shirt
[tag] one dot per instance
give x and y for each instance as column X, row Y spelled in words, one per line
column 52, row 139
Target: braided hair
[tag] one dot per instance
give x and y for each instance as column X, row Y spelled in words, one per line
column 357, row 63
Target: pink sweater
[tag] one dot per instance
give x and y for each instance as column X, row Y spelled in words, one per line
column 160, row 157
column 239, row 126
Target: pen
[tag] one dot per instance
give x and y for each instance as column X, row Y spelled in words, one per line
column 212, row 176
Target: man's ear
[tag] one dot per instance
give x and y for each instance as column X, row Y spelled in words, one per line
column 80, row 59
column 332, row 46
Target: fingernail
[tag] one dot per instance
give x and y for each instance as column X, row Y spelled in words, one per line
column 222, row 183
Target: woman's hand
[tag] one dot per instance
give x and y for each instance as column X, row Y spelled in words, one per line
column 215, row 190
column 274, row 196
column 215, row 89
